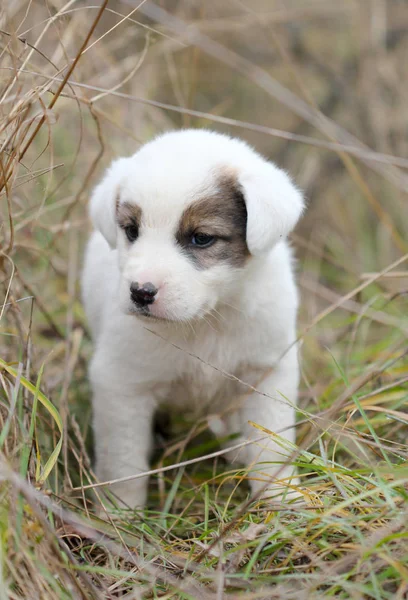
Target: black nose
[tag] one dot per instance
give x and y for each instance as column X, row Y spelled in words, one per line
column 144, row 294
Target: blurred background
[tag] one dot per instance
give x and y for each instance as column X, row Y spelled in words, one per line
column 319, row 86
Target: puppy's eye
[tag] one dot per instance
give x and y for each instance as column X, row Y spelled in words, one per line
column 132, row 232
column 202, row 240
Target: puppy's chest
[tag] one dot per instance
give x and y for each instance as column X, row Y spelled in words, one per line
column 214, row 382
column 199, row 391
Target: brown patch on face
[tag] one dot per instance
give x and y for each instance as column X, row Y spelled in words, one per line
column 128, row 215
column 222, row 215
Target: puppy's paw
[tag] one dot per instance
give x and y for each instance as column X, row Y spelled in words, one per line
column 110, row 512
column 280, row 491
column 283, row 495
column 129, row 497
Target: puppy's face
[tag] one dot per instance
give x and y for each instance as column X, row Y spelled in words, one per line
column 186, row 214
column 180, row 250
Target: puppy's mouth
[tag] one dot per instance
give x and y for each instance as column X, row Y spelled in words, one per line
column 141, row 312
column 144, row 313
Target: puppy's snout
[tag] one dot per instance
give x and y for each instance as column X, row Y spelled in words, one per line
column 144, row 294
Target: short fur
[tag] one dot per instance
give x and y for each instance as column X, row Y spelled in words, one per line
column 223, row 214
column 128, row 214
column 233, row 304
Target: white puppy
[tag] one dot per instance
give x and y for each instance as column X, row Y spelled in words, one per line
column 190, row 260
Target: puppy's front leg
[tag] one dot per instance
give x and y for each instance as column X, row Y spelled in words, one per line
column 122, row 423
column 275, row 412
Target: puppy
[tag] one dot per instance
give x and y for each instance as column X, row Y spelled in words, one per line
column 191, row 300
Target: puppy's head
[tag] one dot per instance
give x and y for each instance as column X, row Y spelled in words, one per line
column 188, row 213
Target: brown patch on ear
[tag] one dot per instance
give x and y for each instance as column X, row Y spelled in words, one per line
column 128, row 214
column 222, row 215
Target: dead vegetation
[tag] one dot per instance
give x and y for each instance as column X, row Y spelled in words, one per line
column 321, row 88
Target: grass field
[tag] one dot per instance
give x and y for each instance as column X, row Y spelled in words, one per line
column 320, row 87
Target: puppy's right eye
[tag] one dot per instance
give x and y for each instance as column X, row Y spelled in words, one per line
column 132, row 232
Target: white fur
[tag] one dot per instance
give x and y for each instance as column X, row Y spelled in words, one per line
column 237, row 320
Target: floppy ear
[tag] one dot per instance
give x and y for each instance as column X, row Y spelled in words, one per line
column 273, row 204
column 102, row 207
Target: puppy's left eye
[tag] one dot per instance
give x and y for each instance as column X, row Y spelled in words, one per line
column 132, row 232
column 202, row 240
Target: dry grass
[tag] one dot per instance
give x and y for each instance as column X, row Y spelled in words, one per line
column 319, row 87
